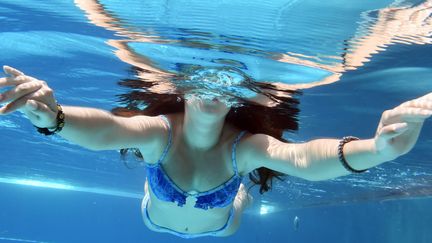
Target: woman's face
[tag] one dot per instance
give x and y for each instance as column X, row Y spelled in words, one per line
column 209, row 105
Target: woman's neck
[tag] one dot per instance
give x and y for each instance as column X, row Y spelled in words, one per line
column 202, row 133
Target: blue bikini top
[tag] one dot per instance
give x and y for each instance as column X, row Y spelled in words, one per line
column 165, row 189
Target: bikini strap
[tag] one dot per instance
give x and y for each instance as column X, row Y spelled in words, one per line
column 165, row 152
column 233, row 153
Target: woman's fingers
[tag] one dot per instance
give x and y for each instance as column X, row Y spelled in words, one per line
column 424, row 102
column 420, row 108
column 30, row 95
column 425, row 97
column 16, row 77
column 13, row 106
column 406, row 114
column 19, row 91
column 9, row 81
column 20, row 102
column 12, row 71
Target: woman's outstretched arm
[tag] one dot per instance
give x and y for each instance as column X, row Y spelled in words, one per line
column 98, row 129
column 89, row 127
column 397, row 133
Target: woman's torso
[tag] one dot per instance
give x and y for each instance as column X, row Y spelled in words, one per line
column 193, row 172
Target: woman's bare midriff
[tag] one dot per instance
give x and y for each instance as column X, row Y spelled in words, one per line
column 191, row 220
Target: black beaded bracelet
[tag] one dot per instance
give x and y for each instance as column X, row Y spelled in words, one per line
column 342, row 157
column 59, row 126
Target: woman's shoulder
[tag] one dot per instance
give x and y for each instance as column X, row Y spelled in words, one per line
column 247, row 148
column 174, row 119
column 163, row 140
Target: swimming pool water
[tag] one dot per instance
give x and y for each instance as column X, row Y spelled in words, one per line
column 54, row 191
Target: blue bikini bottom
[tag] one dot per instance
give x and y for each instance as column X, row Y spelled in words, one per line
column 181, row 234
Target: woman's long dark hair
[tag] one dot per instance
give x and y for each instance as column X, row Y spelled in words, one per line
column 250, row 116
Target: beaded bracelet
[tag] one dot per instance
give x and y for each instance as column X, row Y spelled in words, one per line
column 59, row 126
column 342, row 157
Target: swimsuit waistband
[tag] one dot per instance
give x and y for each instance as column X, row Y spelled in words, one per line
column 186, row 235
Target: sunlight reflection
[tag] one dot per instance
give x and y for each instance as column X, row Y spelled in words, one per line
column 266, row 209
column 42, row 184
column 20, row 240
column 64, row 186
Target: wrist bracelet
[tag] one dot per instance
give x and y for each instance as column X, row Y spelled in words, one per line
column 342, row 157
column 59, row 126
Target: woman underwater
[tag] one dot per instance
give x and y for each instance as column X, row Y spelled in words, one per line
column 195, row 161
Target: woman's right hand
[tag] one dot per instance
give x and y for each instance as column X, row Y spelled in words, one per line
column 31, row 96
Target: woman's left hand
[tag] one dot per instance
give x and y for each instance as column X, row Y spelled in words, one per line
column 400, row 127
